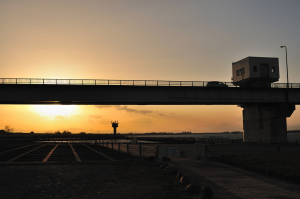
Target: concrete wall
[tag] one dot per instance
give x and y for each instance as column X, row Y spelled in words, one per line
column 266, row 123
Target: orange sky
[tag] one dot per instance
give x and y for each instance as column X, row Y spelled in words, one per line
column 140, row 40
column 97, row 119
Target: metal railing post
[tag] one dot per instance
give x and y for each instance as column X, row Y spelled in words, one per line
column 140, row 150
column 204, row 151
column 127, row 148
column 119, row 146
column 108, row 82
column 156, row 154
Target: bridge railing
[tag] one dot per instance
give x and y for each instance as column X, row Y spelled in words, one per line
column 137, row 83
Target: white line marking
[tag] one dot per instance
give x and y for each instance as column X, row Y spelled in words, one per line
column 24, row 154
column 100, row 153
column 15, row 149
column 76, row 156
column 50, row 153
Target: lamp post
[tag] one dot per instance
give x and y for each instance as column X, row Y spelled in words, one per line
column 287, row 71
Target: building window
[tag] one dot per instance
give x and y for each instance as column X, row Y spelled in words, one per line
column 254, row 68
column 273, row 69
column 240, row 72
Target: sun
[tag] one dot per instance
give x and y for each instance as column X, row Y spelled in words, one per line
column 54, row 110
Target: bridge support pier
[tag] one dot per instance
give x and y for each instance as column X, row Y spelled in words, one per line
column 266, row 123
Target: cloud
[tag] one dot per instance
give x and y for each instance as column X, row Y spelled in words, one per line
column 61, row 117
column 160, row 114
column 95, row 116
column 132, row 110
column 125, row 108
column 103, row 106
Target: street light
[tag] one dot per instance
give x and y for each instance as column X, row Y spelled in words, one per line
column 287, row 71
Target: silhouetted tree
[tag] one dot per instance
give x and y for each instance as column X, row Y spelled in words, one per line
column 66, row 133
column 31, row 132
column 8, row 129
column 82, row 133
column 57, row 132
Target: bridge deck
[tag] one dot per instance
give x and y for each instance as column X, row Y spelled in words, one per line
column 106, row 82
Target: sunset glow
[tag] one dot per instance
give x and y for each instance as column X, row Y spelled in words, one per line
column 55, row 110
column 140, row 40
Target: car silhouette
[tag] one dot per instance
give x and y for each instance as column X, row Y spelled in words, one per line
column 216, row 84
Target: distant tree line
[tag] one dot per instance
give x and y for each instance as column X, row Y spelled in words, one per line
column 7, row 129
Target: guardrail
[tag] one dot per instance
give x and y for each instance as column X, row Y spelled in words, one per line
column 137, row 83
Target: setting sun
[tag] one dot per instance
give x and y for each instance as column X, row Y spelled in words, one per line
column 55, row 110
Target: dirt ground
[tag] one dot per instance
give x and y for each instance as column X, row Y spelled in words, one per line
column 111, row 180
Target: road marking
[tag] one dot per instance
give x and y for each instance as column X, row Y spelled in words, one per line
column 48, row 156
column 76, row 155
column 100, row 153
column 24, row 153
column 16, row 149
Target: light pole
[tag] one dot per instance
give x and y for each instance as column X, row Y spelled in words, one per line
column 287, row 71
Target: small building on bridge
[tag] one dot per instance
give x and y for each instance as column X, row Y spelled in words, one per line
column 255, row 71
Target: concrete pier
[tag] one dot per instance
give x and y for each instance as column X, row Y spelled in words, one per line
column 266, row 123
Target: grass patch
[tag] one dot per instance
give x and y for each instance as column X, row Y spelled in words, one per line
column 281, row 165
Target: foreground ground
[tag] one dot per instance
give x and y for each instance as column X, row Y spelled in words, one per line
column 89, row 180
column 281, row 165
column 229, row 182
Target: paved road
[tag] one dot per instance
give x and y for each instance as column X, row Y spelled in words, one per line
column 230, row 182
column 59, row 152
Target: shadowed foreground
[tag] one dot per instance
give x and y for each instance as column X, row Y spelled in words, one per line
column 93, row 180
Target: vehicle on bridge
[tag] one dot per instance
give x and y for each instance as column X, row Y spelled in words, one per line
column 216, row 84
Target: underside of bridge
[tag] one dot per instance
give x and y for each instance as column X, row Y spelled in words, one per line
column 266, row 123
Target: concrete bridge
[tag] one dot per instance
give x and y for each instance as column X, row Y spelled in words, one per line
column 264, row 114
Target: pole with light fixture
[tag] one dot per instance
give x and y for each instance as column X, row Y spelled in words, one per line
column 287, row 71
